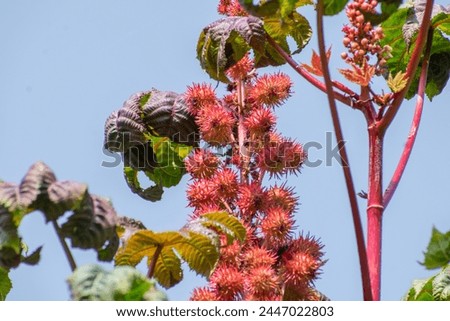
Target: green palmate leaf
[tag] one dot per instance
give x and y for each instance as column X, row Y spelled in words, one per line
column 24, row 198
column 400, row 30
column 61, row 197
column 422, row 290
column 158, row 249
column 33, row 258
column 333, row 7
column 224, row 223
column 295, row 25
column 154, row 131
column 124, row 283
column 199, row 253
column 435, row 288
column 197, row 244
column 93, row 226
column 10, row 243
column 262, row 9
column 438, row 251
column 5, row 283
column 224, row 42
column 442, row 22
column 152, row 193
column 388, row 7
column 441, row 285
column 268, row 8
column 169, row 156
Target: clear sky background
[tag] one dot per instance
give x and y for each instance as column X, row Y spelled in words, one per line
column 66, row 65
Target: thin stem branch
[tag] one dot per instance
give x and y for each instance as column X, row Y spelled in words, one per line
column 243, row 154
column 411, row 68
column 152, row 265
column 64, row 245
column 343, row 154
column 395, row 180
column 347, row 100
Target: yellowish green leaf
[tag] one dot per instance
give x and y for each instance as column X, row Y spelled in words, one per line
column 397, row 83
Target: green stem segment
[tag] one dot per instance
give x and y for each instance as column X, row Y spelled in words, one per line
column 64, row 245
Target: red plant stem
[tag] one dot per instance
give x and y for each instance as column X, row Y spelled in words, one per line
column 347, row 100
column 395, row 180
column 243, row 154
column 411, row 68
column 152, row 264
column 375, row 209
column 64, row 245
column 367, row 294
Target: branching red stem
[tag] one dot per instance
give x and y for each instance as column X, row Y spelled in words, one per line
column 347, row 100
column 344, row 158
column 390, row 190
column 411, row 68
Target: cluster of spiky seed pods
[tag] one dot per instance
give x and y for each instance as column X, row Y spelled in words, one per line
column 228, row 175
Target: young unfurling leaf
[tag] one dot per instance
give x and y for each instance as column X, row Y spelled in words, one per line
column 397, row 83
column 316, row 67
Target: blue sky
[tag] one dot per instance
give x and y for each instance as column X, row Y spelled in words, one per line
column 66, row 65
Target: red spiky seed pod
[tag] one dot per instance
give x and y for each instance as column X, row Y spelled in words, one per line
column 263, row 283
column 202, row 163
column 226, row 183
column 216, row 124
column 231, row 8
column 229, row 253
column 281, row 156
column 201, row 192
column 251, row 199
column 277, row 227
column 241, row 69
column 307, row 244
column 283, row 197
column 260, row 121
column 198, row 96
column 300, row 267
column 257, row 256
column 203, row 294
column 271, row 90
column 227, row 282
